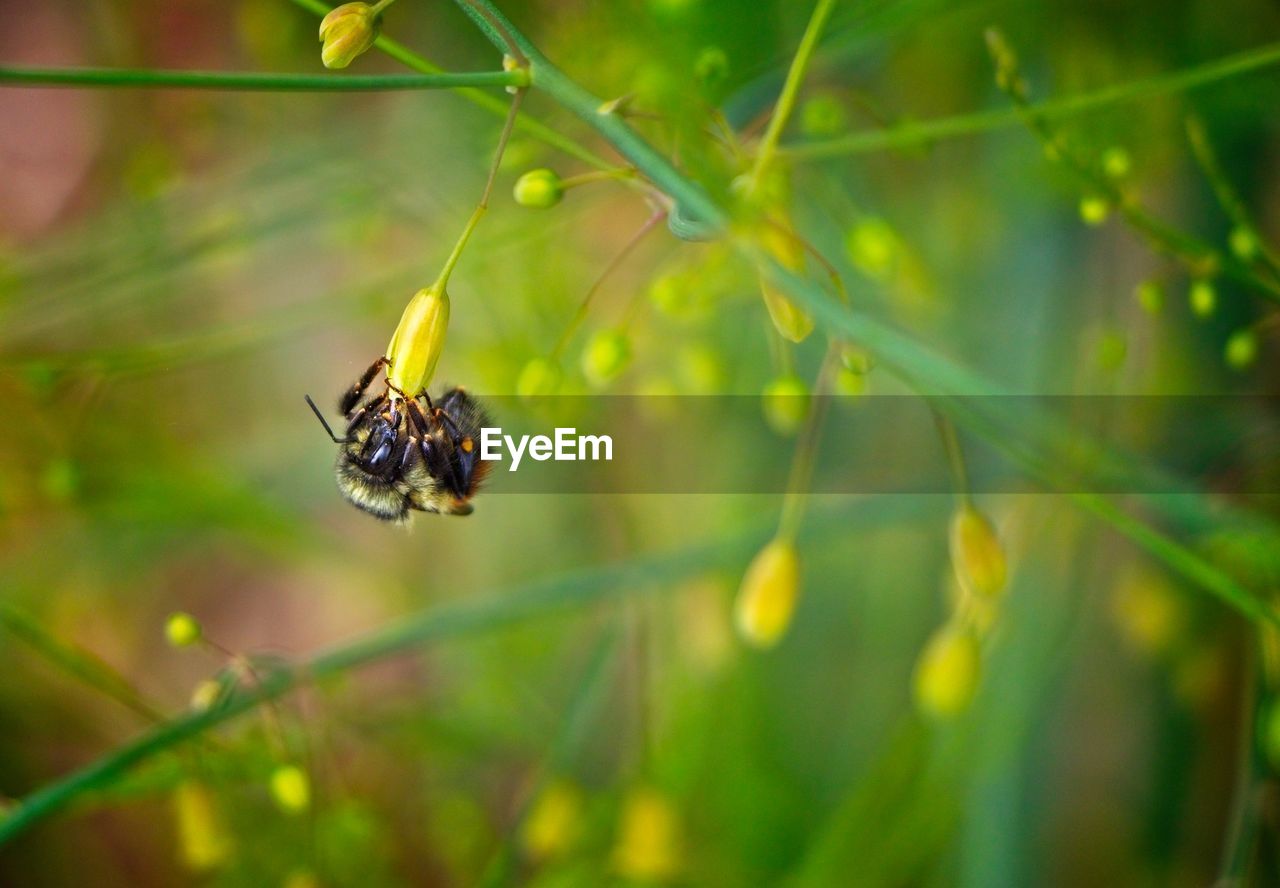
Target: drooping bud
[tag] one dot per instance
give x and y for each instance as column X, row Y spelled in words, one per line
column 767, row 598
column 786, row 403
column 648, row 845
column 791, row 321
column 947, row 673
column 182, row 630
column 415, row 347
column 291, row 789
column 554, row 821
column 540, row 189
column 976, row 553
column 348, row 31
column 203, row 842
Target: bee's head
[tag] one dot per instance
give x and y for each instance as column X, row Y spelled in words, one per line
column 371, row 445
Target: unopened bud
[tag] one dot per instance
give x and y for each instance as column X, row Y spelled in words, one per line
column 540, row 189
column 347, row 32
column 554, row 821
column 1241, row 349
column 947, row 673
column 291, row 789
column 1203, row 298
column 648, row 845
column 537, row 378
column 203, row 841
column 767, row 598
column 182, row 630
column 1150, row 296
column 976, row 553
column 416, row 345
column 1094, row 210
column 1243, row 243
column 786, row 403
column 791, row 321
column 1116, row 162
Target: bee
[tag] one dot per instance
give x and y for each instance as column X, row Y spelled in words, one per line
column 402, row 454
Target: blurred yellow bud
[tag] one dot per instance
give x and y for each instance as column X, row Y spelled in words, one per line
column 538, row 378
column 1116, row 162
column 791, row 321
column 947, row 673
column 1150, row 296
column 786, row 403
column 1094, row 210
column 976, row 553
column 711, row 67
column 1148, row 612
column 767, row 597
column 539, row 189
column 1241, row 349
column 1203, row 298
column 1113, row 348
column 1243, row 243
column 203, row 841
column 554, row 821
column 607, row 354
column 850, row 384
column 182, row 629
column 978, row 613
column 648, row 844
column 291, row 789
column 301, row 878
column 416, row 345
column 206, row 694
column 856, row 360
column 873, row 247
column 347, row 31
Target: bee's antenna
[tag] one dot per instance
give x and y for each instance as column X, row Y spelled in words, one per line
column 324, row 422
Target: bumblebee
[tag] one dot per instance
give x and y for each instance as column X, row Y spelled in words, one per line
column 402, row 454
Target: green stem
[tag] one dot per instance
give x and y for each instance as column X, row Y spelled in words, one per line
column 790, row 89
column 253, row 82
column 490, row 103
column 926, row 132
column 649, row 574
column 955, row 457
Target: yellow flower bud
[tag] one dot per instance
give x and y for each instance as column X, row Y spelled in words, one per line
column 1243, row 243
column 1203, row 298
column 554, row 821
column 537, row 378
column 976, row 553
column 1241, row 349
column 347, row 32
column 291, row 789
column 415, row 347
column 203, row 842
column 786, row 403
column 947, row 673
column 648, row 846
column 540, row 189
column 823, row 115
column 767, row 598
column 1148, row 612
column 182, row 630
column 791, row 321
column 1094, row 210
column 607, row 354
column 205, row 695
column 873, row 248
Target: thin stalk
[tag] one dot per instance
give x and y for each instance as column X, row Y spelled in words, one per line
column 806, row 454
column 910, row 135
column 585, row 306
column 790, row 89
column 955, row 457
column 478, row 213
column 241, row 81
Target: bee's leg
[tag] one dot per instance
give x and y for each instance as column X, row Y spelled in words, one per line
column 373, row 405
column 441, row 462
column 353, row 394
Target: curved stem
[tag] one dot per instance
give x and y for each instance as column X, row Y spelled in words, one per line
column 253, row 82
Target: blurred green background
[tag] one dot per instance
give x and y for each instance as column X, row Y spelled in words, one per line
column 178, row 268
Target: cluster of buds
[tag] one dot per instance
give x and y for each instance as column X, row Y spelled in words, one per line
column 949, row 669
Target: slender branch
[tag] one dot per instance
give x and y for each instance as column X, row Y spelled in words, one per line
column 790, row 89
column 240, row 81
column 927, row 132
column 650, row 574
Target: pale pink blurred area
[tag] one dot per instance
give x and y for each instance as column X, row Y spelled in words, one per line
column 48, row 137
